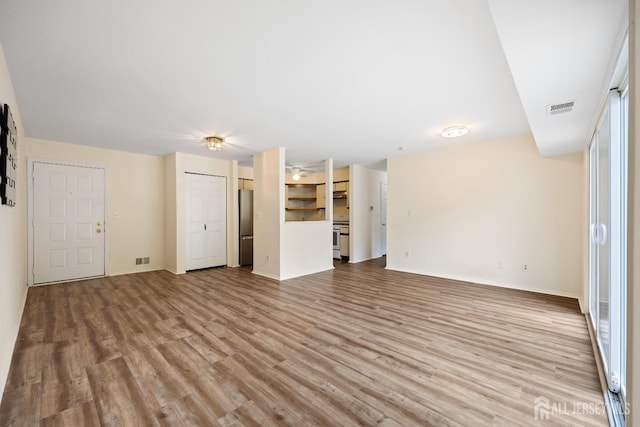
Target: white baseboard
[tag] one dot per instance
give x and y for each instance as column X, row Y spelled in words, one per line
column 267, row 275
column 306, row 274
column 498, row 285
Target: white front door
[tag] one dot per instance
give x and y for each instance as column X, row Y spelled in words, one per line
column 68, row 222
column 206, row 227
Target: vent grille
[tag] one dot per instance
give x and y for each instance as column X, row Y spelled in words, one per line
column 565, row 107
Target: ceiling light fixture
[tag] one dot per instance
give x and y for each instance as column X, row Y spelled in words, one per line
column 454, row 131
column 296, row 174
column 214, row 143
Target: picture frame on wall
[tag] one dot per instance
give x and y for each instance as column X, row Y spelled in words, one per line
column 8, row 156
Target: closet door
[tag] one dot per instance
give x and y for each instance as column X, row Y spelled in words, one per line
column 206, row 221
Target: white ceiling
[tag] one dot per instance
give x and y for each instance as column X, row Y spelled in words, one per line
column 349, row 80
column 561, row 51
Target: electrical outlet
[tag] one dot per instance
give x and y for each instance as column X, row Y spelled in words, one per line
column 525, row 267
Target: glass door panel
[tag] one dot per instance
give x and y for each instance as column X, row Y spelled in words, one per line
column 601, row 234
column 593, row 222
column 607, row 254
column 607, row 237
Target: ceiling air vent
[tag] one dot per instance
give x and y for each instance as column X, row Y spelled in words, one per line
column 565, row 107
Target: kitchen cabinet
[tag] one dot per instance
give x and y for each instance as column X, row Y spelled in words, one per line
column 341, row 187
column 301, row 196
column 321, row 196
column 245, row 184
column 301, row 203
column 340, row 197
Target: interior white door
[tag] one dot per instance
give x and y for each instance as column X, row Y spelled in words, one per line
column 68, row 222
column 206, row 227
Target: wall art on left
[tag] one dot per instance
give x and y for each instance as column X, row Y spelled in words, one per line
column 8, row 156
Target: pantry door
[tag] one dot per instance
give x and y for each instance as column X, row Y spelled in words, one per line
column 206, row 225
column 68, row 222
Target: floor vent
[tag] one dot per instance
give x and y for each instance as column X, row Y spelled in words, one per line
column 565, row 107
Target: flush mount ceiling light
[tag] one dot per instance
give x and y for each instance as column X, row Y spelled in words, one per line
column 454, row 131
column 296, row 174
column 214, row 143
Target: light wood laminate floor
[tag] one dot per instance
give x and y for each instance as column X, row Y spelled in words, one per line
column 359, row 345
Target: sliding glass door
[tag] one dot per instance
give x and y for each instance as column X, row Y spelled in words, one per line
column 608, row 177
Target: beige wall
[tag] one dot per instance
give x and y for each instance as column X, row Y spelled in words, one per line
column 306, row 248
column 457, row 212
column 366, row 229
column 135, row 201
column 145, row 202
column 633, row 260
column 268, row 211
column 245, row 172
column 13, row 240
column 177, row 165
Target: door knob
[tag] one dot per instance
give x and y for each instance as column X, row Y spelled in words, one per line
column 99, row 223
column 99, row 230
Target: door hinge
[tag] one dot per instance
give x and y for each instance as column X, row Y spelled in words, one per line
column 205, row 227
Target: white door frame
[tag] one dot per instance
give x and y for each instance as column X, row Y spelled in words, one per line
column 30, row 202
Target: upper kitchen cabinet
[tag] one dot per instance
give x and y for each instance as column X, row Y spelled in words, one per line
column 340, row 186
column 341, row 192
column 321, row 196
column 341, row 197
column 301, row 203
column 305, row 193
column 245, row 184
